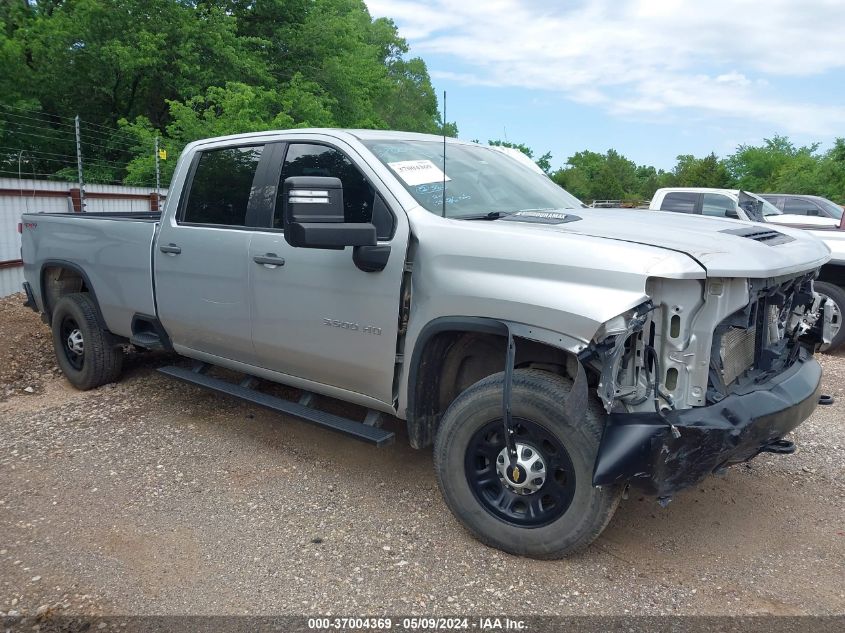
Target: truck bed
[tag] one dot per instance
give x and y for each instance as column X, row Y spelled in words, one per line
column 113, row 251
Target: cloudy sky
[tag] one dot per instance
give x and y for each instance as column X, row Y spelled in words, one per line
column 651, row 78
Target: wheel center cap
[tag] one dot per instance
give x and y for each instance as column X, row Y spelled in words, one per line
column 516, row 474
column 527, row 475
column 75, row 343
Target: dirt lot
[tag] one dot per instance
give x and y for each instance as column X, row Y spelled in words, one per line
column 153, row 497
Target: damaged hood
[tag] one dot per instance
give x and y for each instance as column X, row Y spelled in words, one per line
column 723, row 247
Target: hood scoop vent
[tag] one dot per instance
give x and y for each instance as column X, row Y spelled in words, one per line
column 759, row 234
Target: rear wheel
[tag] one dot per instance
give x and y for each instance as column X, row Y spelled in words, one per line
column 544, row 505
column 83, row 349
column 836, row 295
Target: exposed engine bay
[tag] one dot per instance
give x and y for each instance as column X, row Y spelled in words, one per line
column 696, row 342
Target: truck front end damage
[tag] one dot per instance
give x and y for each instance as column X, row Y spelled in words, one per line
column 706, row 374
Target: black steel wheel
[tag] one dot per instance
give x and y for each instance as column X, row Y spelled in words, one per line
column 534, row 491
column 544, row 505
column 87, row 354
column 74, row 342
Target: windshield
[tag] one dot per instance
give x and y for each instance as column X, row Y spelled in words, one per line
column 833, row 209
column 479, row 181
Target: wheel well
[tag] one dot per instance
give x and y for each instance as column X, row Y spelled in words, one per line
column 451, row 361
column 58, row 281
column 833, row 274
column 60, row 278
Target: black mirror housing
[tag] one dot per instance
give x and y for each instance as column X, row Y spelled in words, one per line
column 313, row 215
column 312, row 199
column 336, row 235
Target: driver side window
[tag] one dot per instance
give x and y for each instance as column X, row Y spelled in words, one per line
column 319, row 160
column 361, row 202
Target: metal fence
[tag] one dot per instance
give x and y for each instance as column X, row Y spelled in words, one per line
column 47, row 196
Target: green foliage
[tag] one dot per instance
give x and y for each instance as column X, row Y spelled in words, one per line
column 756, row 168
column 544, row 162
column 609, row 176
column 702, row 172
column 775, row 166
column 190, row 69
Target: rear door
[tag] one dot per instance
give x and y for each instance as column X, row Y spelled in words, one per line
column 201, row 258
column 318, row 316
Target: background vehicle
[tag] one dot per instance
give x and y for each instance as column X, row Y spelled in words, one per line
column 550, row 353
column 732, row 203
column 719, row 203
column 815, row 210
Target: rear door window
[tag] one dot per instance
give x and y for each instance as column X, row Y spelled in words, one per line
column 717, row 205
column 679, row 202
column 221, row 186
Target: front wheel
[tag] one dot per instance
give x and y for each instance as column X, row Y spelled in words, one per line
column 83, row 348
column 544, row 505
column 836, row 296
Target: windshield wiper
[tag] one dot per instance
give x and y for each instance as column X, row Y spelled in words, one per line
column 493, row 215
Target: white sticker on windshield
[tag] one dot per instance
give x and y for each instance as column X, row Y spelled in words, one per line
column 418, row 172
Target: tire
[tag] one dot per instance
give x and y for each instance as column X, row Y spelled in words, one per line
column 837, row 296
column 83, row 348
column 538, row 410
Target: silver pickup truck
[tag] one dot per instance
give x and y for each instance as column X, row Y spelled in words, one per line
column 552, row 354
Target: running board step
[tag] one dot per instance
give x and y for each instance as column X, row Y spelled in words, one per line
column 148, row 340
column 358, row 430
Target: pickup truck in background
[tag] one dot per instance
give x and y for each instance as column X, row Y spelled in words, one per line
column 733, row 203
column 808, row 211
column 551, row 354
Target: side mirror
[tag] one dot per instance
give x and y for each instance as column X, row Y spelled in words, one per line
column 312, row 215
column 814, row 212
column 730, row 213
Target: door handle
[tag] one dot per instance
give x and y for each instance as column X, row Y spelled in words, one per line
column 172, row 249
column 270, row 259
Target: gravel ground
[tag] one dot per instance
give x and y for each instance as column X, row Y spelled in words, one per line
column 150, row 496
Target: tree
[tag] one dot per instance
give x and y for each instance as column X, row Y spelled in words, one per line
column 592, row 176
column 830, row 172
column 544, row 162
column 702, row 172
column 132, row 67
column 757, row 168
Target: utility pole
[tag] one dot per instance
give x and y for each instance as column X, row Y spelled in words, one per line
column 158, row 175
column 79, row 166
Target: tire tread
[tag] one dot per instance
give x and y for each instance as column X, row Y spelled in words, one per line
column 547, row 388
column 103, row 360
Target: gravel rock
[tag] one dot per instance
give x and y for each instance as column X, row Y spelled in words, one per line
column 154, row 497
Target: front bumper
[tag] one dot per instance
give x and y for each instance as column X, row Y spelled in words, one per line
column 641, row 449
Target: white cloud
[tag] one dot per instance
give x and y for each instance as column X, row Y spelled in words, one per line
column 647, row 57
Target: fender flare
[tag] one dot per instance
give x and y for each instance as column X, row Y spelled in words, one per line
column 421, row 428
column 61, row 263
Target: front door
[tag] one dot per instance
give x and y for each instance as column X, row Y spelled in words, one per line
column 202, row 264
column 317, row 316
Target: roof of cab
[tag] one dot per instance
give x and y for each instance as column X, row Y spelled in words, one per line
column 342, row 133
